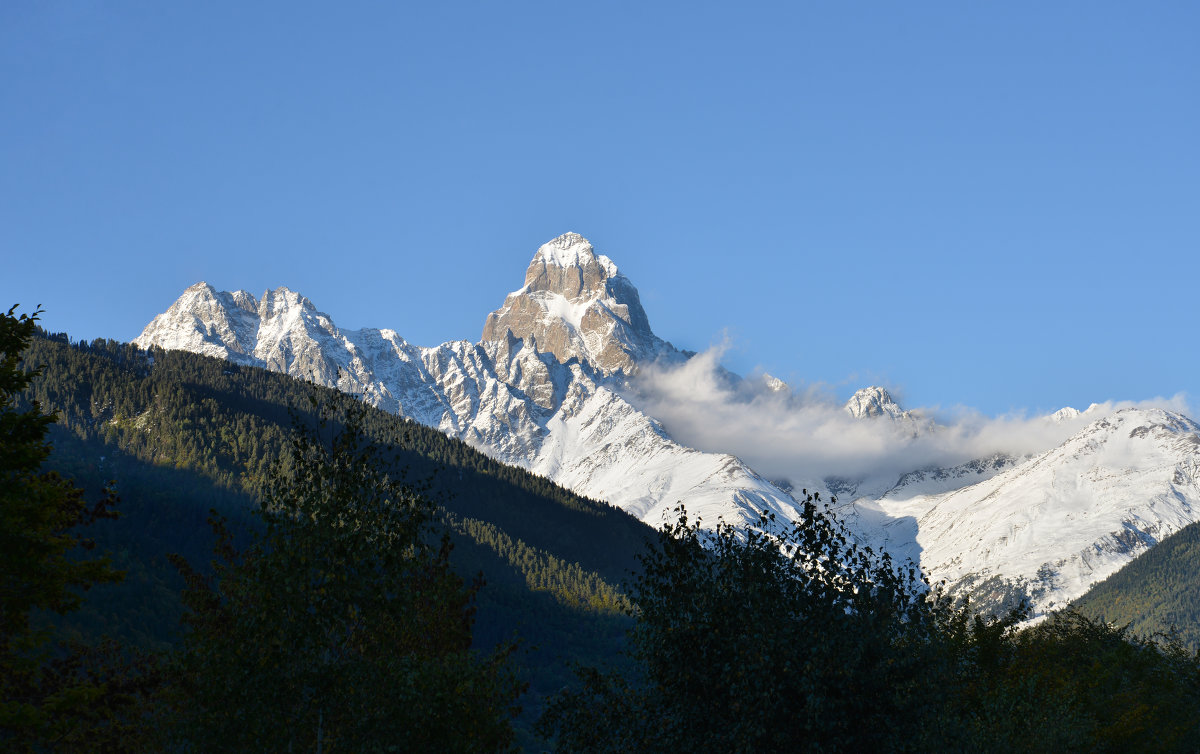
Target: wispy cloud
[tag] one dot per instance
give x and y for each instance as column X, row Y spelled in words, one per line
column 806, row 435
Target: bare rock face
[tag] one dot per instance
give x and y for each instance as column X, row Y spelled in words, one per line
column 568, row 266
column 576, row 305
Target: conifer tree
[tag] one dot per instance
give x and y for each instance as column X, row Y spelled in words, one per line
column 47, row 691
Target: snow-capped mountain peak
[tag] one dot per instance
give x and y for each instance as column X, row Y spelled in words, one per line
column 281, row 300
column 774, row 384
column 570, row 250
column 542, row 390
column 576, row 304
column 1064, row 414
column 546, row 388
column 207, row 321
column 1068, row 413
column 874, row 401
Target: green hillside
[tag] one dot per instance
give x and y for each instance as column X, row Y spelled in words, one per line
column 182, row 434
column 1156, row 593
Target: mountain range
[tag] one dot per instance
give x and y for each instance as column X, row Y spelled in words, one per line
column 552, row 386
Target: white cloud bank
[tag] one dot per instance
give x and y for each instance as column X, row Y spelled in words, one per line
column 808, row 436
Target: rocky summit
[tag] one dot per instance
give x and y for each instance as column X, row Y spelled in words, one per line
column 575, row 304
column 871, row 402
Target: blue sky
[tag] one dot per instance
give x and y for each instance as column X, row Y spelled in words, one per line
column 995, row 207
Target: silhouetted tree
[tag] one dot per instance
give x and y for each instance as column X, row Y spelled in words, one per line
column 753, row 640
column 51, row 694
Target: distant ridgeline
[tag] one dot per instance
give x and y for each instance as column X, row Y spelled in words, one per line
column 1156, row 592
column 182, row 434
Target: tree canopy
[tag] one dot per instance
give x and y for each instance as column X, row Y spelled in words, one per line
column 760, row 640
column 47, row 690
column 767, row 639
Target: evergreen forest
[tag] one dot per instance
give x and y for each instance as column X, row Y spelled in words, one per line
column 1158, row 593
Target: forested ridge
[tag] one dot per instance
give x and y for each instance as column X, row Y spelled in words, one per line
column 227, row 424
column 1156, row 593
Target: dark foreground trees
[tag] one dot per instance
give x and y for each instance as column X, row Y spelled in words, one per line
column 342, row 627
column 753, row 641
column 51, row 692
column 1081, row 685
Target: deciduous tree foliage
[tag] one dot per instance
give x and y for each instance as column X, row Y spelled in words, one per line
column 751, row 640
column 1075, row 684
column 342, row 627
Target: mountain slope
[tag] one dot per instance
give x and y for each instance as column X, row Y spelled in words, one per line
column 1157, row 592
column 182, row 434
column 1047, row 528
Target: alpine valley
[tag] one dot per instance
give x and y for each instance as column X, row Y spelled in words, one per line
column 553, row 386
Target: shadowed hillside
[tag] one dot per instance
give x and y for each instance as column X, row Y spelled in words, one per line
column 182, row 434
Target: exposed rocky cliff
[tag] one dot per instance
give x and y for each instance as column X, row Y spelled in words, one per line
column 575, row 304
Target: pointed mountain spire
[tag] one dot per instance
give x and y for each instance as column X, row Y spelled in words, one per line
column 576, row 304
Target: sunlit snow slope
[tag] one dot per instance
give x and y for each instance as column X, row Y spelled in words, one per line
column 1046, row 528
